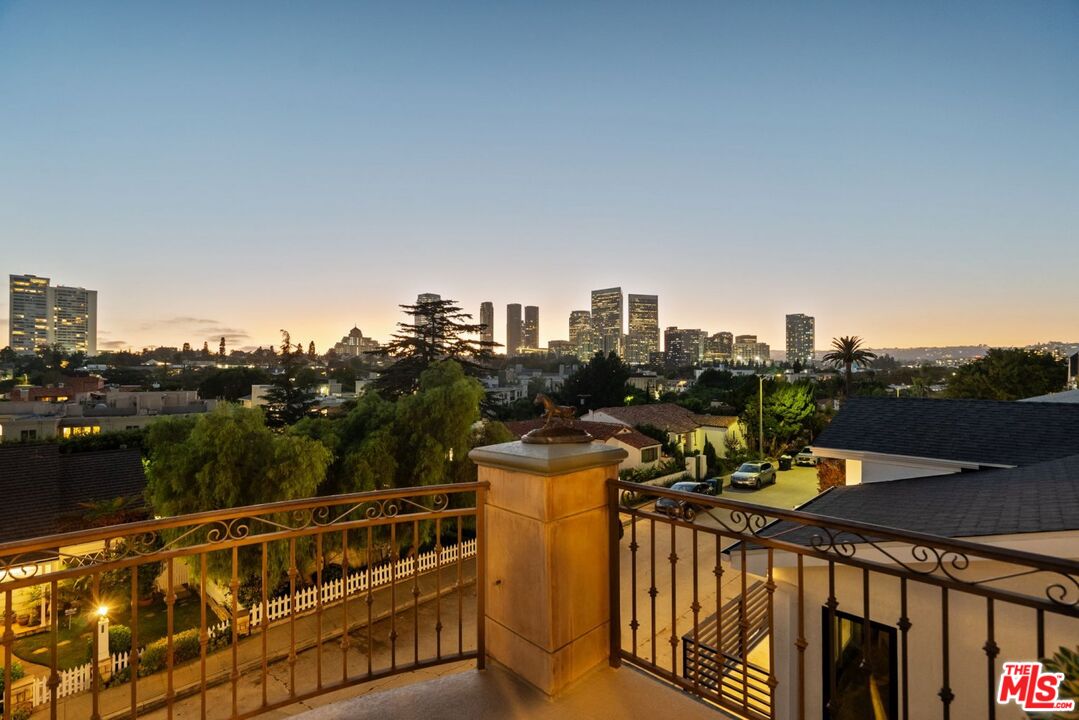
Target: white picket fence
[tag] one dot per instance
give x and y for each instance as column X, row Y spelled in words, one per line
column 79, row 679
column 358, row 582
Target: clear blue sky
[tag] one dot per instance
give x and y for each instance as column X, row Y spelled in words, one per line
column 909, row 173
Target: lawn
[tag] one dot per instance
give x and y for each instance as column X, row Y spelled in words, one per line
column 72, row 642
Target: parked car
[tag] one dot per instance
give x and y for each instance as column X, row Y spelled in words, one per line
column 683, row 508
column 805, row 457
column 754, row 475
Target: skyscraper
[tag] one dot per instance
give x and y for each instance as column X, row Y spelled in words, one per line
column 530, row 331
column 718, row 347
column 487, row 319
column 607, row 320
column 43, row 315
column 421, row 318
column 643, row 338
column 682, row 347
column 513, row 329
column 801, row 338
column 580, row 333
column 748, row 351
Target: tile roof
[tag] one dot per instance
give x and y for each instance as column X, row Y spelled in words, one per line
column 987, row 432
column 665, row 416
column 41, row 487
column 637, row 439
column 1043, row 497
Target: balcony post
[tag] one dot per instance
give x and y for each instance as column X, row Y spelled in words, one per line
column 546, row 581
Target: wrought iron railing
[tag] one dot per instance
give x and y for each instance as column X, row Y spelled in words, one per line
column 348, row 588
column 857, row 620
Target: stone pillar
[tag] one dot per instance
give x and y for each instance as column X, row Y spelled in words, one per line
column 545, row 587
column 104, row 656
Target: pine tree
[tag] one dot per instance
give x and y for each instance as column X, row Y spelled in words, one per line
column 438, row 331
column 290, row 397
column 311, row 354
column 221, row 347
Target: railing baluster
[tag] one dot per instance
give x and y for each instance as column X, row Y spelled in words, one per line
column 318, row 609
column 415, row 590
column 718, row 572
column 54, row 675
column 801, row 642
column 696, row 607
column 770, row 588
column 652, row 592
column 292, row 573
column 170, row 602
column 867, row 661
column 203, row 635
column 370, row 629
column 946, row 695
column 460, row 593
column 9, row 638
column 235, row 675
column 135, row 659
column 438, row 588
column 345, row 637
column 904, row 628
column 833, row 643
column 743, row 634
column 991, row 652
column 393, row 597
column 633, row 547
column 264, row 631
column 673, row 558
column 1041, row 633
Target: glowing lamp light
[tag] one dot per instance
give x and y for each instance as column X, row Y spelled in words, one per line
column 102, row 611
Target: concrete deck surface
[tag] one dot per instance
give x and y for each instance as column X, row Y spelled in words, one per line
column 496, row 694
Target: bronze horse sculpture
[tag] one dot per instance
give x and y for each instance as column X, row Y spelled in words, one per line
column 554, row 412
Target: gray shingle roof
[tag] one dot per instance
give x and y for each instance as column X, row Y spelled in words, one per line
column 987, row 432
column 1043, row 497
column 42, row 487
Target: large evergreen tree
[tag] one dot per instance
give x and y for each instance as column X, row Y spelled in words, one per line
column 437, row 330
column 290, row 397
column 600, row 383
column 1008, row 374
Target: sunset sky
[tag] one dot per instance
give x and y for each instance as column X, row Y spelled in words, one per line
column 906, row 173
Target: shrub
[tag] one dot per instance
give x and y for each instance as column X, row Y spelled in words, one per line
column 119, row 641
column 21, row 713
column 185, row 646
column 17, row 673
column 831, row 473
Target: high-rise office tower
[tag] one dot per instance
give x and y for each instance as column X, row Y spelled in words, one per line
column 607, row 320
column 487, row 319
column 682, row 347
column 530, row 330
column 748, row 351
column 643, row 337
column 513, row 329
column 801, row 339
column 718, row 347
column 43, row 315
column 580, row 333
column 421, row 318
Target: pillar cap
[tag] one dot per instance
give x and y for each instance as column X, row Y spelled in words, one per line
column 547, row 459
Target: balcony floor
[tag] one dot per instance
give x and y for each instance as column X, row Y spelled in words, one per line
column 495, row 694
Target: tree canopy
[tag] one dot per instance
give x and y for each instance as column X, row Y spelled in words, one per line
column 438, row 330
column 847, row 352
column 789, row 414
column 290, row 397
column 600, row 383
column 1008, row 374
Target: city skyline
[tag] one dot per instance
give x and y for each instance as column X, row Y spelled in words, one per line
column 234, row 173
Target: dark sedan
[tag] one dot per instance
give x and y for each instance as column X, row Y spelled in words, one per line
column 683, row 507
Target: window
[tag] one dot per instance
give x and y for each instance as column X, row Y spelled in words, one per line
column 649, row 454
column 860, row 695
column 25, row 435
column 81, row 430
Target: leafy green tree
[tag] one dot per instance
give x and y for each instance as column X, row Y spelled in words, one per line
column 1008, row 374
column 846, row 353
column 231, row 384
column 230, row 458
column 789, row 411
column 290, row 396
column 600, row 383
column 437, row 331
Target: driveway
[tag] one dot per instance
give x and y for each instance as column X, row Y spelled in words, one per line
column 792, row 488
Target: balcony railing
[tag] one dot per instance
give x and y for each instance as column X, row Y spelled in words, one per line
column 342, row 590
column 778, row 613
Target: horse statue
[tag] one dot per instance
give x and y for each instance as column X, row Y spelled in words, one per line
column 554, row 412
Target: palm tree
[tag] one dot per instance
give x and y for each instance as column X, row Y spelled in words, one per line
column 848, row 352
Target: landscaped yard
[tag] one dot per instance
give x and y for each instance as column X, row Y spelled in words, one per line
column 72, row 643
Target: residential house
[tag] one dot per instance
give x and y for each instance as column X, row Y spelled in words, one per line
column 885, row 438
column 685, row 428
